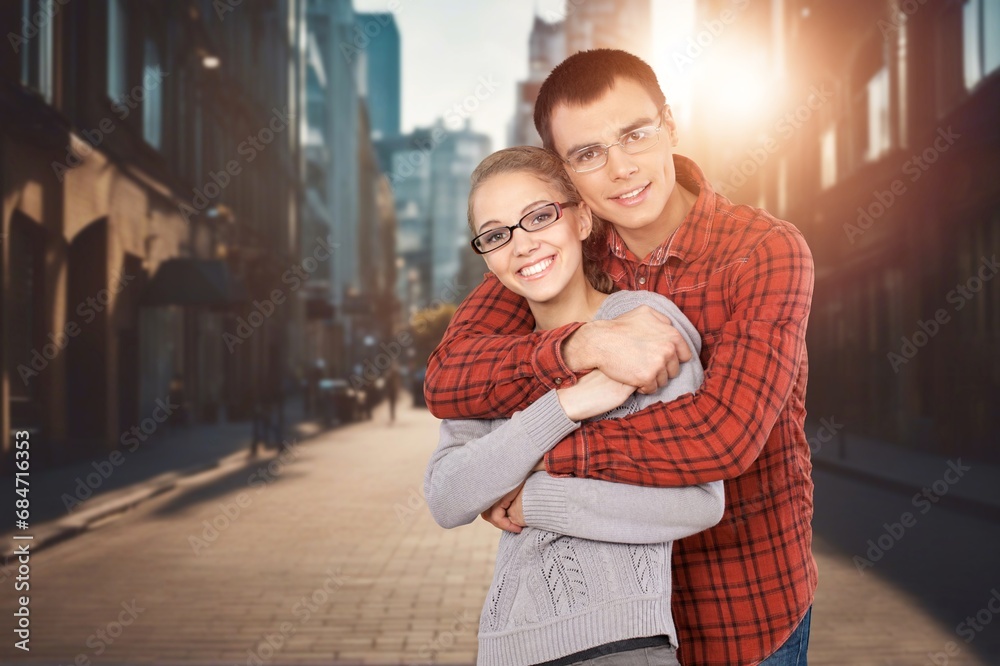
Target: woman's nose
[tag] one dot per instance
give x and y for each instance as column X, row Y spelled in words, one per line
column 523, row 242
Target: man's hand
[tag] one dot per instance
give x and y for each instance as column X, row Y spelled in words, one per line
column 640, row 348
column 508, row 512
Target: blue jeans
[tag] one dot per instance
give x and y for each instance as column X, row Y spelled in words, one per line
column 793, row 652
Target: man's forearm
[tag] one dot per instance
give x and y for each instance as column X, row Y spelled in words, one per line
column 476, row 373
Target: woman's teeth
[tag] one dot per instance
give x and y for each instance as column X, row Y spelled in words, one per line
column 535, row 269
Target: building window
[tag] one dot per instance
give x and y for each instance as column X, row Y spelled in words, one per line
column 116, row 50
column 980, row 40
column 35, row 45
column 828, row 158
column 152, row 105
column 878, row 115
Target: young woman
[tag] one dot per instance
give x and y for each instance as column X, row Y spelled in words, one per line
column 588, row 576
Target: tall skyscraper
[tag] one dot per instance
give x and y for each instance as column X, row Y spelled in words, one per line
column 379, row 76
column 546, row 49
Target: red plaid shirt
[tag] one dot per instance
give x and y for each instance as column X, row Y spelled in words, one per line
column 745, row 279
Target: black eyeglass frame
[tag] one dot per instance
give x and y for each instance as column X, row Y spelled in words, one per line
column 520, row 225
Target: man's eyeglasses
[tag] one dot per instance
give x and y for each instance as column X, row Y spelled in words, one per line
column 632, row 142
column 536, row 220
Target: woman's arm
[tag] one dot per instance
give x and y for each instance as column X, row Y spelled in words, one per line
column 479, row 461
column 605, row 511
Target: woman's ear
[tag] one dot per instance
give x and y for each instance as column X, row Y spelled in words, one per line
column 585, row 218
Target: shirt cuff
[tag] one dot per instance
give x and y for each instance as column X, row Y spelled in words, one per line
column 545, row 422
column 544, row 503
column 547, row 361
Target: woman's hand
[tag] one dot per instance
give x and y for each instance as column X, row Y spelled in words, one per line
column 508, row 512
column 594, row 394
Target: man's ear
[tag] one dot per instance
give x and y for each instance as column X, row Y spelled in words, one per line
column 585, row 219
column 670, row 125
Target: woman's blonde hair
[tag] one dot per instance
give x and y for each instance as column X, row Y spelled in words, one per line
column 546, row 166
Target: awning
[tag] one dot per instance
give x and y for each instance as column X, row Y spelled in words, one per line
column 193, row 282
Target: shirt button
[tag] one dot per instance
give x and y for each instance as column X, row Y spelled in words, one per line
column 557, row 380
column 642, row 280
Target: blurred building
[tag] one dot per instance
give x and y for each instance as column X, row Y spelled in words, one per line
column 347, row 185
column 380, row 69
column 151, row 177
column 872, row 127
column 546, row 49
column 429, row 171
column 609, row 24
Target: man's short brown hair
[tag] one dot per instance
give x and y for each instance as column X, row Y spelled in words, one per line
column 585, row 77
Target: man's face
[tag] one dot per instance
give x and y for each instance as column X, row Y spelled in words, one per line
column 630, row 191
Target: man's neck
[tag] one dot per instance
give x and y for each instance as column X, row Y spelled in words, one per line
column 642, row 242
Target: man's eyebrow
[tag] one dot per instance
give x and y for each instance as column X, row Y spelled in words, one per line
column 635, row 124
column 527, row 209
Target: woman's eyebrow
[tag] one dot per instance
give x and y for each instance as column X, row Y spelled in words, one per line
column 527, row 209
column 635, row 124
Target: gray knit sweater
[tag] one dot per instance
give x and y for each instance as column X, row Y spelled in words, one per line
column 593, row 566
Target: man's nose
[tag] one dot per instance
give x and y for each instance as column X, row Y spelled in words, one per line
column 620, row 166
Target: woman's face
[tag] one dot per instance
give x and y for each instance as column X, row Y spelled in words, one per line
column 537, row 265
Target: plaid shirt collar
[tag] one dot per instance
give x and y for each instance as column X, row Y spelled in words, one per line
column 691, row 238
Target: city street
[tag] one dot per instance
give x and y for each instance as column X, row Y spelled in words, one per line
column 330, row 556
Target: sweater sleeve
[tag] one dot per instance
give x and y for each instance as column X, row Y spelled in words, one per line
column 606, row 511
column 479, row 461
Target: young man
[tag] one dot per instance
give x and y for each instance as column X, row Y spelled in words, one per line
column 744, row 588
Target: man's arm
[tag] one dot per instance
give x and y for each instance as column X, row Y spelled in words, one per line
column 490, row 364
column 718, row 432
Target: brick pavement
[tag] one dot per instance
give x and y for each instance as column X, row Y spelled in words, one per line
column 330, row 557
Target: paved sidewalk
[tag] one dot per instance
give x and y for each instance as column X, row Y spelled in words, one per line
column 68, row 500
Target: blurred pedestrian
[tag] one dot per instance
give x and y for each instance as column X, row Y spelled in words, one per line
column 392, row 391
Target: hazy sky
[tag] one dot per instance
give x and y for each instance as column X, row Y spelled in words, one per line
column 452, row 49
